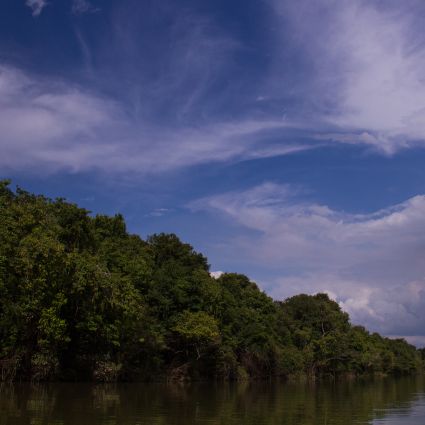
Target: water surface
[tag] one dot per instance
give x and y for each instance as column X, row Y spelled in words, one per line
column 381, row 401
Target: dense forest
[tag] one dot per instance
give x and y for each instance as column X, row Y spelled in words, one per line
column 82, row 299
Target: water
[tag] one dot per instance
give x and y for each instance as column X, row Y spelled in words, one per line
column 383, row 401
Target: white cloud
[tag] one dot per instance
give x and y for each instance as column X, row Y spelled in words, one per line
column 36, row 6
column 216, row 274
column 44, row 122
column 384, row 89
column 373, row 264
column 367, row 60
column 52, row 125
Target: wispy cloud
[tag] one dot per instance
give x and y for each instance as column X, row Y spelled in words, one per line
column 83, row 6
column 160, row 114
column 36, row 6
column 52, row 125
column 158, row 212
column 371, row 263
column 360, row 82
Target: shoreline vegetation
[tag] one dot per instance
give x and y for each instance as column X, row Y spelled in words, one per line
column 81, row 299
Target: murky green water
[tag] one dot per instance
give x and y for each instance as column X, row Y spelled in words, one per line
column 385, row 401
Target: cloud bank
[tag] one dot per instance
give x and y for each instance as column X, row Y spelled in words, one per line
column 373, row 264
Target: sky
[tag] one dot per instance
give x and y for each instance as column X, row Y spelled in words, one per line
column 283, row 139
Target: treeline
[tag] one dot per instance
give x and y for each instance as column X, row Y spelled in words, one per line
column 81, row 299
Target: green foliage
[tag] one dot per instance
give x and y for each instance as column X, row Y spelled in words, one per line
column 197, row 329
column 80, row 298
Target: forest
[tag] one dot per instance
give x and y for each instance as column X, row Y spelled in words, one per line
column 81, row 299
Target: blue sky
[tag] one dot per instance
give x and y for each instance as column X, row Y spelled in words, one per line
column 283, row 139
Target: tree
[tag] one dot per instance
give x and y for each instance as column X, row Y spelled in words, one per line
column 81, row 298
column 197, row 330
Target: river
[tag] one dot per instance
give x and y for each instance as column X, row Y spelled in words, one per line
column 392, row 401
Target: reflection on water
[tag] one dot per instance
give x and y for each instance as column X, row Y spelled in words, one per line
column 385, row 401
column 409, row 413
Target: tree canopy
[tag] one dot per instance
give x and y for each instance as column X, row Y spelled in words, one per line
column 81, row 298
